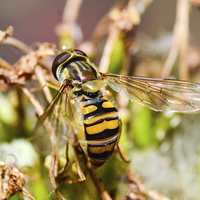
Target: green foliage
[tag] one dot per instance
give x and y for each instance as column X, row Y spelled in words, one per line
column 117, row 57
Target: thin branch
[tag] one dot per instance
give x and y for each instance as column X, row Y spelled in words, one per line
column 97, row 182
column 141, row 5
column 43, row 83
column 99, row 185
column 4, row 64
column 18, row 44
column 172, row 55
column 102, row 27
column 183, row 38
column 179, row 41
column 136, row 187
column 105, row 59
column 120, row 19
column 27, row 194
column 71, row 11
column 195, row 2
column 68, row 31
column 6, row 34
column 36, row 104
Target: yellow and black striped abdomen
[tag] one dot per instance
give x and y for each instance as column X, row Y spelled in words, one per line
column 101, row 128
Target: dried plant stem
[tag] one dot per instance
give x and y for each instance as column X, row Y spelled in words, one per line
column 5, row 64
column 5, row 34
column 141, row 5
column 97, row 182
column 27, row 194
column 43, row 83
column 179, row 41
column 195, row 2
column 18, row 44
column 105, row 60
column 68, row 31
column 71, row 11
column 183, row 14
column 53, row 171
column 151, row 193
column 36, row 104
column 172, row 55
column 99, row 185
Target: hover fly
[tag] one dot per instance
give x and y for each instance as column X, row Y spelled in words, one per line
column 83, row 106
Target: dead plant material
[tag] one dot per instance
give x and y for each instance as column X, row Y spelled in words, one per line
column 11, row 182
column 24, row 69
column 179, row 44
column 137, row 191
column 6, row 34
column 195, row 3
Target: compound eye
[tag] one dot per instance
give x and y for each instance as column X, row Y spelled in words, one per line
column 79, row 52
column 58, row 61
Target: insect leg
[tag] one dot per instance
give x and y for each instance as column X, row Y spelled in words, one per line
column 66, row 164
column 119, row 148
column 79, row 168
column 45, row 85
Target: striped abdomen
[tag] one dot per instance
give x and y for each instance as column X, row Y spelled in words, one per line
column 101, row 128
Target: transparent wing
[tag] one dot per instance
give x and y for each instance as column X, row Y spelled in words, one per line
column 156, row 93
column 53, row 125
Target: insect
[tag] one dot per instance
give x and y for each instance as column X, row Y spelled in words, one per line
column 84, row 106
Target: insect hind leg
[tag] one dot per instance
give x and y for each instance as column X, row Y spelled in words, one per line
column 120, row 149
column 80, row 173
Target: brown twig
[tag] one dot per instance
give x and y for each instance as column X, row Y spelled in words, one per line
column 5, row 34
column 195, row 2
column 136, row 188
column 43, row 82
column 183, row 14
column 105, row 59
column 71, row 11
column 120, row 20
column 23, row 70
column 36, row 104
column 18, row 44
column 97, row 182
column 141, row 5
column 11, row 182
column 99, row 185
column 5, row 65
column 27, row 194
column 68, row 28
column 179, row 41
column 102, row 27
